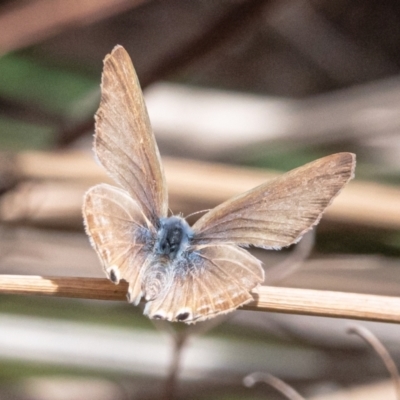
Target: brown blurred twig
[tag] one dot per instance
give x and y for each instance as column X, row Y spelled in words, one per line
column 195, row 185
column 27, row 23
column 266, row 298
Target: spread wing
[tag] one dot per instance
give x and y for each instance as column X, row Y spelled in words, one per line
column 207, row 281
column 120, row 234
column 124, row 141
column 279, row 212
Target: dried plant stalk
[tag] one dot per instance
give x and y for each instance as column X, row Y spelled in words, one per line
column 266, row 298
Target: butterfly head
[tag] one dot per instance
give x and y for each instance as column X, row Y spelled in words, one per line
column 173, row 236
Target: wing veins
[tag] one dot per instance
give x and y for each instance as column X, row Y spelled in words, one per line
column 131, row 172
column 229, row 260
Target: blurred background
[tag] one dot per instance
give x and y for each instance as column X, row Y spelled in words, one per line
column 236, row 91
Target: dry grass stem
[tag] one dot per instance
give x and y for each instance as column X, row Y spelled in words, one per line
column 266, row 298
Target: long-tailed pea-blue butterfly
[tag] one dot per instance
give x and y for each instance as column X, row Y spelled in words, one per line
column 188, row 273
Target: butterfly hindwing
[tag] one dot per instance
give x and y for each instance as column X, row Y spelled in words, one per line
column 120, row 233
column 205, row 282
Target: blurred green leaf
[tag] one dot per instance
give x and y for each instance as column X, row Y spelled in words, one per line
column 18, row 135
column 26, row 80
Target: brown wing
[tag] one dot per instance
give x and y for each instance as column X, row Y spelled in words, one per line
column 124, row 141
column 120, row 234
column 279, row 212
column 208, row 281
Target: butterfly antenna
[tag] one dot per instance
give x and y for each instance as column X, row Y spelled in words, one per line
column 197, row 212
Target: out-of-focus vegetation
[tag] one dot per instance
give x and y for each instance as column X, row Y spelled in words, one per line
column 263, row 84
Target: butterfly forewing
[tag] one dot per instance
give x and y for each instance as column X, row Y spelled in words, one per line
column 124, row 141
column 120, row 234
column 279, row 212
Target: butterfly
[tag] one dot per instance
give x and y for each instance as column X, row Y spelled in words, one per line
column 188, row 273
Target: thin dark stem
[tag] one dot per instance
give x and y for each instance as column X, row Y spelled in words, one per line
column 276, row 383
column 172, row 379
column 382, row 352
column 180, row 339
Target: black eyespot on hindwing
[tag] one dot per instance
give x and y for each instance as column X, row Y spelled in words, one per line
column 182, row 316
column 113, row 276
